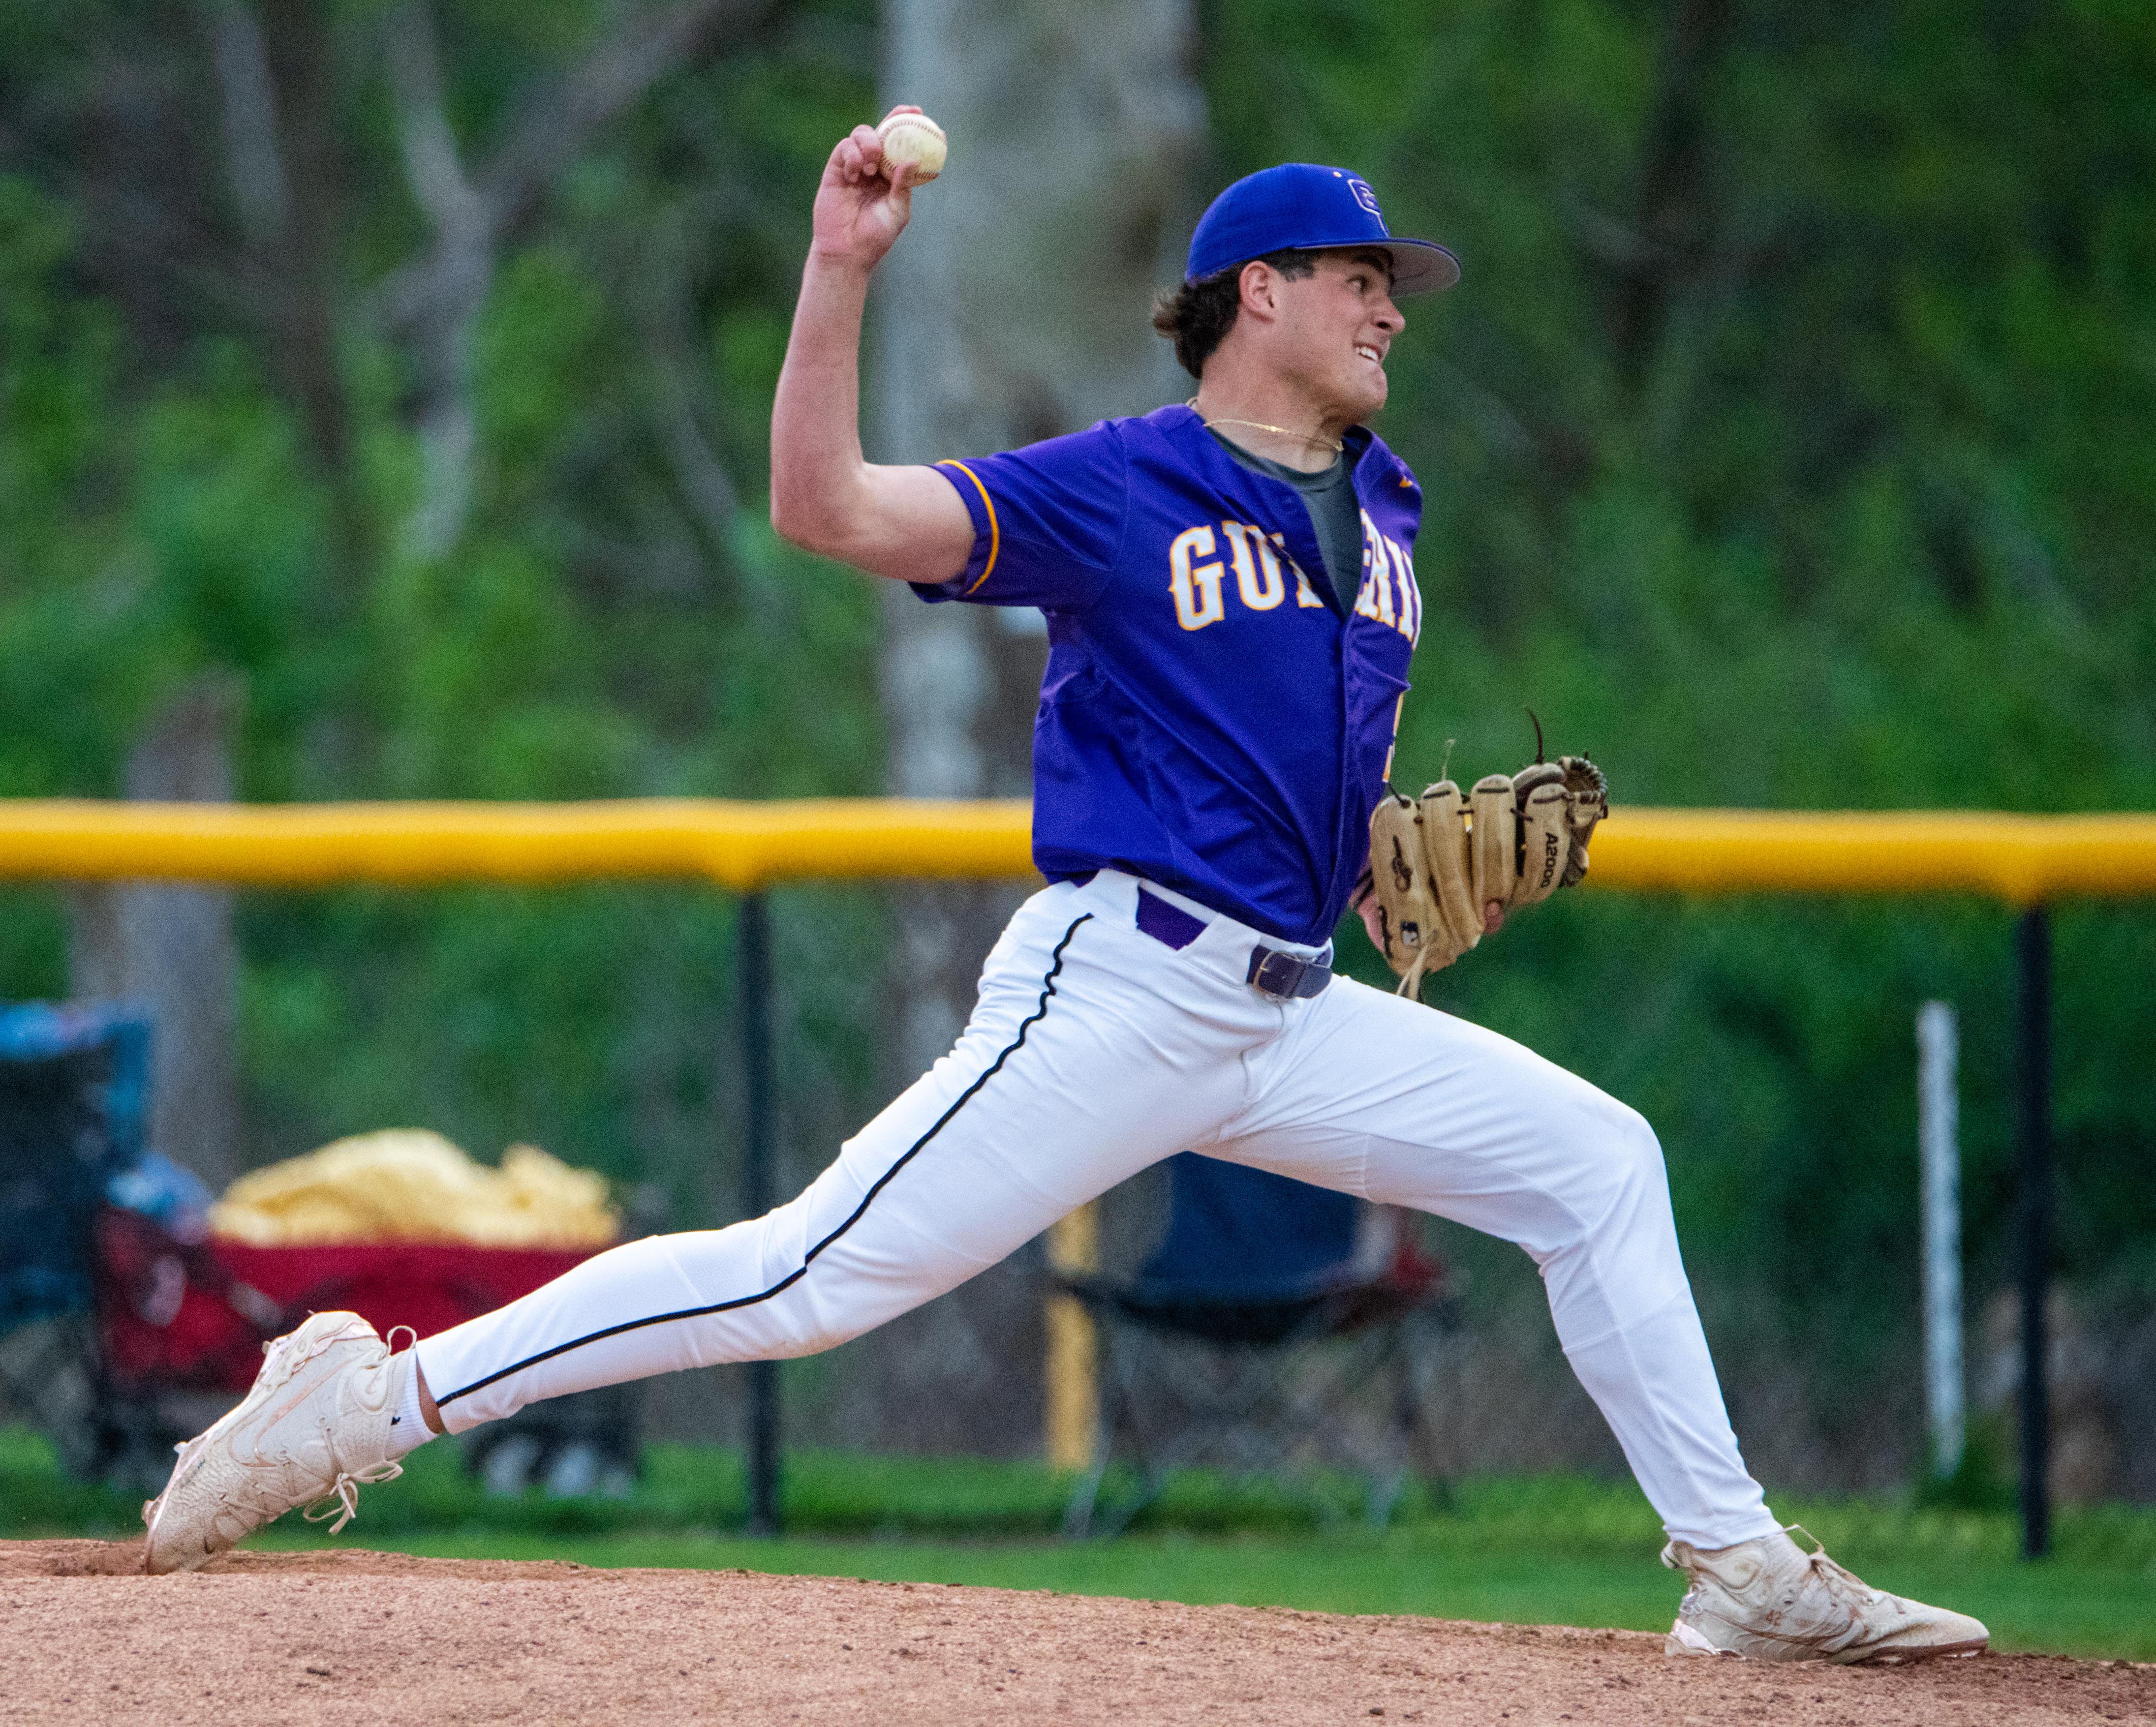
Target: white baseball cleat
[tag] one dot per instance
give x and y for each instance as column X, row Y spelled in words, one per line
column 1768, row 1600
column 314, row 1428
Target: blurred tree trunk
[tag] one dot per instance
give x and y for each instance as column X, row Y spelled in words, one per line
column 1674, row 217
column 1015, row 309
column 433, row 304
column 463, row 259
column 171, row 950
column 277, row 77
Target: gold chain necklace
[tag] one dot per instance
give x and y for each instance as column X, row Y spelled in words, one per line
column 1258, row 425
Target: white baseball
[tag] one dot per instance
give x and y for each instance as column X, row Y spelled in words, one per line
column 915, row 141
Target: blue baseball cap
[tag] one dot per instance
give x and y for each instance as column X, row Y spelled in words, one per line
column 1303, row 207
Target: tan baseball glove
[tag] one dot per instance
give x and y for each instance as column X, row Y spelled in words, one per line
column 1437, row 860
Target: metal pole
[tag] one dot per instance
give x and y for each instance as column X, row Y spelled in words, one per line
column 2033, row 955
column 1074, row 1346
column 755, row 940
column 1938, row 1137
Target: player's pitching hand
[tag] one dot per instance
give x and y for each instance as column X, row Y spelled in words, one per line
column 1368, row 909
column 859, row 213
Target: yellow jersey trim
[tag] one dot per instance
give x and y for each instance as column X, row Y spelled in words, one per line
column 995, row 533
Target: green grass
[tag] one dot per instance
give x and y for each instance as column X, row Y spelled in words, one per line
column 1550, row 1549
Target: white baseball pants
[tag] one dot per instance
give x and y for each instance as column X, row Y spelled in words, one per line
column 1095, row 1050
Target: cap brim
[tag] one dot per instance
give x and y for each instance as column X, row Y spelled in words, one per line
column 1418, row 266
column 1422, row 266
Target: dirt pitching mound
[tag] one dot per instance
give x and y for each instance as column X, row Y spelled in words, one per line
column 382, row 1637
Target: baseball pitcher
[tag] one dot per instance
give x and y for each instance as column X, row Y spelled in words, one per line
column 1229, row 587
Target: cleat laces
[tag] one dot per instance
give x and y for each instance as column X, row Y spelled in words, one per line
column 344, row 1491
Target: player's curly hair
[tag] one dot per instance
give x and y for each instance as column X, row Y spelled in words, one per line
column 1198, row 315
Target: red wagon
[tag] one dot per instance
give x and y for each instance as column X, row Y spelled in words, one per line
column 196, row 1317
column 182, row 1326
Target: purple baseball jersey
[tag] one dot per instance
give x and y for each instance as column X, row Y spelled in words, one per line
column 1209, row 719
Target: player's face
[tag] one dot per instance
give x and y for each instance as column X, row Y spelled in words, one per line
column 1337, row 326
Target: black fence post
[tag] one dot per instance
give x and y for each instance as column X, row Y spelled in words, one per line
column 755, row 955
column 2033, row 956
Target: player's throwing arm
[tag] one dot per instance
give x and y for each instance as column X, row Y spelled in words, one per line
column 903, row 523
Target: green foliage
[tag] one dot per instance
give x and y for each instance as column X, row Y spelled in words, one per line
column 61, row 595
column 1786, row 444
column 594, row 633
column 1982, row 1481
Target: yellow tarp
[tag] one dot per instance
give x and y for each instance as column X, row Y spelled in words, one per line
column 409, row 1185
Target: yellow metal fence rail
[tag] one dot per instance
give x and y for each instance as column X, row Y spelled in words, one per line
column 2026, row 860
column 2022, row 860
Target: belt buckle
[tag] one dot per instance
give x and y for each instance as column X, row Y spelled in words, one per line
column 1276, row 975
